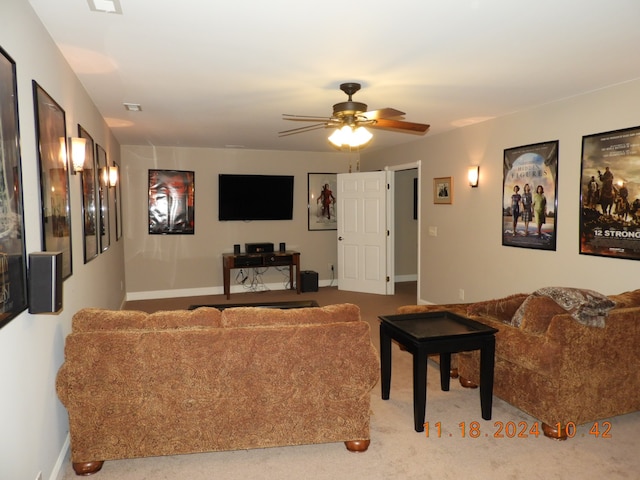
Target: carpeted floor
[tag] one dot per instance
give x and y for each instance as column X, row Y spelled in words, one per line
column 455, row 451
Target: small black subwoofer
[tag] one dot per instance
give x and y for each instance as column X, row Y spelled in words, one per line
column 308, row 281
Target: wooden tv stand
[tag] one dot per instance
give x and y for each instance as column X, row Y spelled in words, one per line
column 232, row 261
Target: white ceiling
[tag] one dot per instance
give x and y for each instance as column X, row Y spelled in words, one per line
column 213, row 73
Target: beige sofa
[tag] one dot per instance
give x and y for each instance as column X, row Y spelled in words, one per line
column 175, row 382
column 563, row 368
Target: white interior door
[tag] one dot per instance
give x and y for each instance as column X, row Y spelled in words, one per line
column 362, row 232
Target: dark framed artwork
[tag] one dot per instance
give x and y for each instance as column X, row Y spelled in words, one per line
column 171, row 202
column 103, row 198
column 321, row 201
column 443, row 191
column 13, row 265
column 415, row 198
column 89, row 186
column 51, row 132
column 117, row 195
column 530, row 196
column 610, row 194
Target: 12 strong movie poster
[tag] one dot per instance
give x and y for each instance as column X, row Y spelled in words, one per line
column 610, row 194
column 529, row 193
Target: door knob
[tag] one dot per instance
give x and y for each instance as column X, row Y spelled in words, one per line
column 340, row 238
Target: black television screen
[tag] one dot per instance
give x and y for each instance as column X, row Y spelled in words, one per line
column 255, row 197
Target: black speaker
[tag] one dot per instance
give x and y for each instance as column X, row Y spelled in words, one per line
column 45, row 282
column 283, row 247
column 236, row 248
column 309, row 281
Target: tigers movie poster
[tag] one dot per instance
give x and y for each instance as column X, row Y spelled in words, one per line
column 610, row 194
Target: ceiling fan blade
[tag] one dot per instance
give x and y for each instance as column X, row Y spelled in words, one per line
column 383, row 113
column 402, row 126
column 303, row 118
column 308, row 128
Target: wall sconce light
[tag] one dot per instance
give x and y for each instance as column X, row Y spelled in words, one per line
column 113, row 176
column 78, row 149
column 473, row 175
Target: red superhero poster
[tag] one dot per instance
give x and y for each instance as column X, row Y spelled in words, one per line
column 322, row 201
column 610, row 194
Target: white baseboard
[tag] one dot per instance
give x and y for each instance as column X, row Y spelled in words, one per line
column 58, row 469
column 197, row 292
column 406, row 278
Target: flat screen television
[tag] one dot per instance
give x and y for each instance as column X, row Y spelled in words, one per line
column 255, row 197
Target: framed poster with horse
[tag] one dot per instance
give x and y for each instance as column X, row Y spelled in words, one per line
column 610, row 194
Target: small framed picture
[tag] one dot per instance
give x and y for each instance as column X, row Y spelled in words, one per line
column 443, row 190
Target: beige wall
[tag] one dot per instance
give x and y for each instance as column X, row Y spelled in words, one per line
column 181, row 265
column 467, row 253
column 405, row 227
column 34, row 422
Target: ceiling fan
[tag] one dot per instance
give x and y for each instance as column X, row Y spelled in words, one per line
column 354, row 115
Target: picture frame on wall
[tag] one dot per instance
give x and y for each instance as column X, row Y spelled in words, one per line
column 171, row 202
column 13, row 264
column 530, row 196
column 443, row 190
column 103, row 198
column 51, row 135
column 321, row 201
column 117, row 194
column 610, row 194
column 89, row 186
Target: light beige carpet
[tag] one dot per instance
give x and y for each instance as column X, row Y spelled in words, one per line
column 396, row 450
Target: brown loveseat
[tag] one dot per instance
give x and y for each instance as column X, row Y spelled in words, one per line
column 557, row 359
column 174, row 382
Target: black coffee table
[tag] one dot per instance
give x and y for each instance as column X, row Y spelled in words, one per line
column 436, row 332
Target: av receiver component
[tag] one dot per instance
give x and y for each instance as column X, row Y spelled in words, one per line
column 258, row 247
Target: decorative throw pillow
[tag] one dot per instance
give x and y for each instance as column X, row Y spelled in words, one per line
column 587, row 306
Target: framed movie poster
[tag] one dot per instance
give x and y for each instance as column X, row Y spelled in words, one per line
column 321, row 200
column 13, row 266
column 610, row 194
column 103, row 198
column 51, row 132
column 88, row 182
column 117, row 195
column 171, row 202
column 530, row 196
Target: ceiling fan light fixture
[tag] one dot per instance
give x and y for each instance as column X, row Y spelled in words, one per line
column 348, row 136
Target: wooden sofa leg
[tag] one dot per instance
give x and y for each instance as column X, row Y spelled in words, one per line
column 554, row 433
column 357, row 445
column 87, row 468
column 466, row 383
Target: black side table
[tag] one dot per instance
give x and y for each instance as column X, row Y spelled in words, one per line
column 436, row 332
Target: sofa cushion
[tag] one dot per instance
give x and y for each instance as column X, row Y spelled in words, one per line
column 257, row 316
column 537, row 315
column 627, row 299
column 95, row 319
column 502, row 309
column 586, row 306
